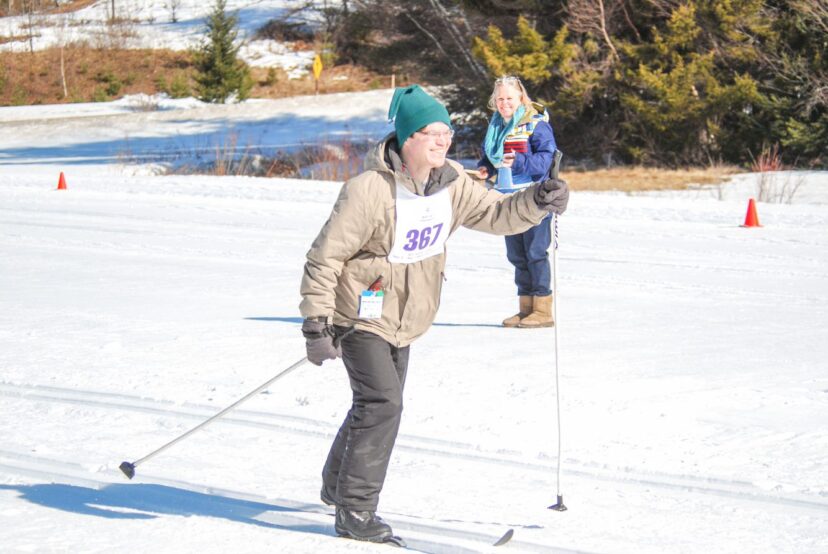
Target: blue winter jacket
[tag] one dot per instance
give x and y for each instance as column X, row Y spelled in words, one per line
column 533, row 143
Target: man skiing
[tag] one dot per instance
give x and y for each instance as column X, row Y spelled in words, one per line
column 372, row 282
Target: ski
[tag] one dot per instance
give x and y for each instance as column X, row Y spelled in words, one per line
column 395, row 541
column 399, row 542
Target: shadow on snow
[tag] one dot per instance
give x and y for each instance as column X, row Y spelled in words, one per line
column 147, row 501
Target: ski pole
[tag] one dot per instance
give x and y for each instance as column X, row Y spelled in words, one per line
column 129, row 467
column 559, row 506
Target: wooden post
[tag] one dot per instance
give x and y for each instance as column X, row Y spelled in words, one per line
column 63, row 72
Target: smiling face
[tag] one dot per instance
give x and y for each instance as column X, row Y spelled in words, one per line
column 426, row 149
column 507, row 100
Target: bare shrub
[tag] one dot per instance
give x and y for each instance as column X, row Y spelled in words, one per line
column 118, row 32
column 328, row 161
column 144, row 103
column 223, row 158
column 282, row 30
column 173, row 6
column 227, row 160
column 774, row 185
column 332, row 161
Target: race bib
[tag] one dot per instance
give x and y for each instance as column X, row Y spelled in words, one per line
column 423, row 224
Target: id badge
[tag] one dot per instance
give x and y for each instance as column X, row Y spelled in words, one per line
column 370, row 304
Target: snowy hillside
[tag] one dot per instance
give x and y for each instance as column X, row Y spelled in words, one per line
column 173, row 24
column 132, row 307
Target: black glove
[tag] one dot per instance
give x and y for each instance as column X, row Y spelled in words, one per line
column 552, row 195
column 321, row 342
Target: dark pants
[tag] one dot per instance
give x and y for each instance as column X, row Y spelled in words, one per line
column 528, row 252
column 355, row 470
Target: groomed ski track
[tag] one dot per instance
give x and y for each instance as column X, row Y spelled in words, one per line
column 421, row 446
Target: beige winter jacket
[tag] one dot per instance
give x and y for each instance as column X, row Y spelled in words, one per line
column 351, row 250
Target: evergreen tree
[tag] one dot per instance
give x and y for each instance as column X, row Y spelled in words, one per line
column 796, row 80
column 220, row 74
column 689, row 88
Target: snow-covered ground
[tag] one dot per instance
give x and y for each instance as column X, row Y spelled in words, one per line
column 693, row 353
column 173, row 24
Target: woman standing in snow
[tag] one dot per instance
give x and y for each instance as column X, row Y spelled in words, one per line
column 377, row 267
column 519, row 148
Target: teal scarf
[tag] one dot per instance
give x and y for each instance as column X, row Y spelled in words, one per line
column 496, row 135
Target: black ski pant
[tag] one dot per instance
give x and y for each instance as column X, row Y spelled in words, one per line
column 357, row 463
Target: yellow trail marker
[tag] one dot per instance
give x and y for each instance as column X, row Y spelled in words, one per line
column 317, row 67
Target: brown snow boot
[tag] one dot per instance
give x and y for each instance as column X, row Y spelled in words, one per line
column 541, row 315
column 525, row 309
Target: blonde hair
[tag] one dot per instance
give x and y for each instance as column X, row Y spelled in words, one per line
column 512, row 81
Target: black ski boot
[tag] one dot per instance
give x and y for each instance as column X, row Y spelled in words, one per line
column 362, row 526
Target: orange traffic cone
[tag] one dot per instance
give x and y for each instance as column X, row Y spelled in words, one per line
column 752, row 218
column 61, row 182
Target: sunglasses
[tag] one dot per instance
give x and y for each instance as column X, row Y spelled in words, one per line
column 506, row 79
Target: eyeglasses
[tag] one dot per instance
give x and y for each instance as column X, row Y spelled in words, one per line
column 506, row 79
column 448, row 135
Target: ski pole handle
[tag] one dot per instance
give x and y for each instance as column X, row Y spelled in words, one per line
column 556, row 164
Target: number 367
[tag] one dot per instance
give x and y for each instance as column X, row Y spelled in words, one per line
column 419, row 239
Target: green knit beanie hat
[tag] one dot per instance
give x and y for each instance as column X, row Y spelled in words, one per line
column 412, row 108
